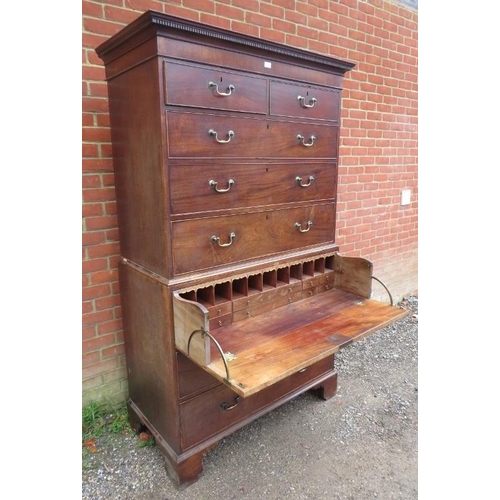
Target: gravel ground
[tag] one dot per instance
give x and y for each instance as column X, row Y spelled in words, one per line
column 360, row 444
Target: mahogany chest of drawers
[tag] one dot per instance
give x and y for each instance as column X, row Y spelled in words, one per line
column 235, row 298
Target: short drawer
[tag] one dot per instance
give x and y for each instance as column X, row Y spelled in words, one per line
column 209, row 242
column 229, row 136
column 212, row 88
column 202, row 188
column 304, row 101
column 213, row 411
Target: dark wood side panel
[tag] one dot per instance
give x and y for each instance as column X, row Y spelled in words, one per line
column 136, row 129
column 150, row 351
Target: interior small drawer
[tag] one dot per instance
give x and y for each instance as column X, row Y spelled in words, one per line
column 208, row 242
column 213, row 88
column 214, row 410
column 304, row 101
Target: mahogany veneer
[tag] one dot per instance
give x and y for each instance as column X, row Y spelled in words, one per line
column 235, row 298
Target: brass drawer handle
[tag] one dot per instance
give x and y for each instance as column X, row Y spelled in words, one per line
column 303, row 370
column 298, row 180
column 298, row 226
column 306, row 144
column 217, row 239
column 213, row 85
column 213, row 133
column 224, row 405
column 311, row 104
column 214, row 184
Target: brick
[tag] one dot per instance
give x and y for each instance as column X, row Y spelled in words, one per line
column 92, row 292
column 109, row 327
column 267, row 9
column 307, row 32
column 295, row 17
column 95, row 104
column 100, row 26
column 89, row 266
column 339, row 8
column 328, row 38
column 105, row 276
column 91, row 180
column 307, row 9
column 284, row 26
column 106, row 249
column 317, row 24
column 296, row 41
column 112, row 235
column 90, row 358
column 108, row 302
column 258, row 19
column 251, row 5
column 88, row 119
column 272, row 35
column 97, row 369
column 320, row 48
column 100, row 194
column 230, row 12
column 96, row 134
column 94, row 238
column 142, row 5
column 338, row 29
column 244, row 28
column 88, row 332
column 120, row 372
column 103, row 222
column 94, row 318
column 214, row 20
column 118, row 14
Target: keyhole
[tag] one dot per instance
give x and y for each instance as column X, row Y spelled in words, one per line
column 221, row 79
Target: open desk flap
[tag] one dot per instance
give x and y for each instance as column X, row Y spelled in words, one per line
column 254, row 353
column 253, row 331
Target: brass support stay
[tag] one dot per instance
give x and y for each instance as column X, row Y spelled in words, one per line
column 203, row 334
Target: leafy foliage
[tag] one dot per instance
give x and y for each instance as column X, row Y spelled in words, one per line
column 99, row 418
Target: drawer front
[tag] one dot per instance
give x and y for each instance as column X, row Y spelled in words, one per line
column 197, row 135
column 204, row 243
column 202, row 188
column 192, row 379
column 304, row 101
column 212, row 411
column 205, row 87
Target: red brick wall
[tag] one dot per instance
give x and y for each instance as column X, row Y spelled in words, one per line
column 378, row 146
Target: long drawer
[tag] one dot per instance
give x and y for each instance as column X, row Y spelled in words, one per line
column 213, row 241
column 212, row 411
column 214, row 88
column 203, row 188
column 225, row 136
